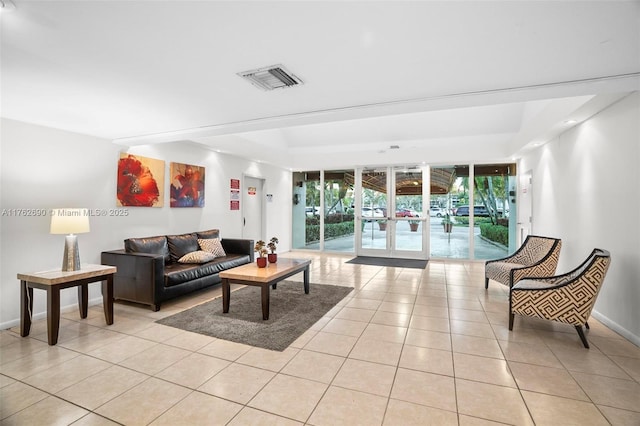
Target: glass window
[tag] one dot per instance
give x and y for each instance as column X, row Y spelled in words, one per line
column 306, row 210
column 449, row 228
column 374, row 209
column 409, row 215
column 338, row 211
column 494, row 218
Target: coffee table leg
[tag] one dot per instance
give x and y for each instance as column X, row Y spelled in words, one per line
column 306, row 280
column 83, row 299
column 226, row 294
column 265, row 302
column 107, row 299
column 26, row 307
column 53, row 314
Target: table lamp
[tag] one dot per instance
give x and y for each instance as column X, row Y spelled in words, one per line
column 71, row 222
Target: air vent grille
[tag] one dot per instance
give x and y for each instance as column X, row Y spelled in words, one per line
column 270, row 78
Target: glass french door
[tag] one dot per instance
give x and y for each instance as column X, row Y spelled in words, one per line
column 393, row 219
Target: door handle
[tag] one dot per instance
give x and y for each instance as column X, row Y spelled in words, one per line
column 244, row 221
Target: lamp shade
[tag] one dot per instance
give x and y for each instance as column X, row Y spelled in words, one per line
column 69, row 221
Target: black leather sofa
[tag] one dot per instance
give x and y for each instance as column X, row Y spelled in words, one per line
column 149, row 272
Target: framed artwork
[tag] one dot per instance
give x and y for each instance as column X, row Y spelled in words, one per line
column 139, row 182
column 187, row 185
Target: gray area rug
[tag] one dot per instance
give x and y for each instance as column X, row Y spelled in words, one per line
column 391, row 262
column 291, row 313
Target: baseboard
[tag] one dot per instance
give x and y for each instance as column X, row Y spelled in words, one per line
column 617, row 328
column 43, row 315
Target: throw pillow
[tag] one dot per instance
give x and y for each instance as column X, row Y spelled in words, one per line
column 212, row 246
column 179, row 245
column 197, row 257
column 207, row 235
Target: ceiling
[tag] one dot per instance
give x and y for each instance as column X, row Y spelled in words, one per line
column 443, row 81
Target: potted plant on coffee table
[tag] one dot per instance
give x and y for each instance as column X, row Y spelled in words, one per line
column 261, row 249
column 273, row 256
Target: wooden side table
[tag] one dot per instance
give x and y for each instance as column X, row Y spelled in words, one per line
column 53, row 282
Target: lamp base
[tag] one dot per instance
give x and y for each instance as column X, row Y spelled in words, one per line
column 71, row 259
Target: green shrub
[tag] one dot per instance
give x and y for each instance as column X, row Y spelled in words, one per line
column 331, row 230
column 477, row 221
column 338, row 218
column 496, row 233
column 462, row 220
column 312, row 233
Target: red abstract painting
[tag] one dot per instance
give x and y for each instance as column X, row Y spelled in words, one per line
column 140, row 181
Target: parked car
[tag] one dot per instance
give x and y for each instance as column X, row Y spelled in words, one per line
column 407, row 213
column 312, row 211
column 373, row 213
column 479, row 211
column 437, row 212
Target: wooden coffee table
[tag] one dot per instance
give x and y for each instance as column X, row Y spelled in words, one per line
column 264, row 278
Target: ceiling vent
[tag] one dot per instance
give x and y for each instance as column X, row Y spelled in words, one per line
column 270, row 78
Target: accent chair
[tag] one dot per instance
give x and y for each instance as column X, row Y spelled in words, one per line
column 566, row 298
column 536, row 257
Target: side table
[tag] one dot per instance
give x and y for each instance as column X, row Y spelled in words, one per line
column 56, row 280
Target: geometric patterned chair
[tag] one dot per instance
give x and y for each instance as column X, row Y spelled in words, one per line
column 566, row 298
column 537, row 257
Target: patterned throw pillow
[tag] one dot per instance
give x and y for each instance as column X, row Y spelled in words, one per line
column 197, row 257
column 212, row 246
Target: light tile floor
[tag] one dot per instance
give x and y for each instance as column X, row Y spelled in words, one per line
column 406, row 347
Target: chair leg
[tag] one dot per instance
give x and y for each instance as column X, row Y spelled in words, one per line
column 511, row 315
column 582, row 336
column 486, row 283
column 586, row 324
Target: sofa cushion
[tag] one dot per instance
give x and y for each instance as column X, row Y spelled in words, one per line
column 178, row 273
column 179, row 245
column 199, row 256
column 208, row 235
column 151, row 245
column 212, row 246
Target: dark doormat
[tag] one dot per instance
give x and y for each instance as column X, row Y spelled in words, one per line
column 291, row 313
column 385, row 261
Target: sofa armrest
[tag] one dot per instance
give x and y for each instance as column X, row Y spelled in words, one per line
column 140, row 276
column 239, row 246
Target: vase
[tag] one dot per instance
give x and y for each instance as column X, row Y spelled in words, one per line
column 273, row 257
column 448, row 227
column 414, row 227
column 262, row 262
column 383, row 226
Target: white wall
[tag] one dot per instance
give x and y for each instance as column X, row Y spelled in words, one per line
column 585, row 191
column 48, row 168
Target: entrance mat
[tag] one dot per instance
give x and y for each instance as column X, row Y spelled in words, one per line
column 385, row 261
column 291, row 313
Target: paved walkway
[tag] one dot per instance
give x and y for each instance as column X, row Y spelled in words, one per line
column 442, row 245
